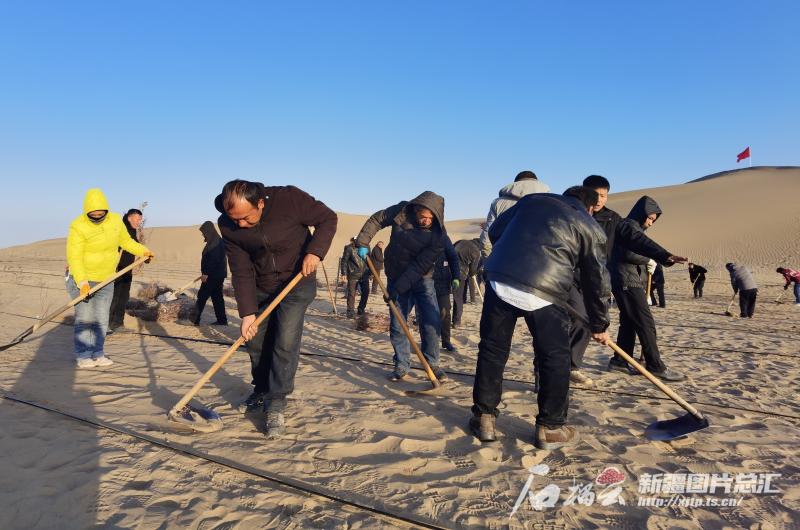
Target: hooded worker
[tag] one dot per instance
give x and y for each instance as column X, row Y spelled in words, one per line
column 92, row 256
column 213, row 270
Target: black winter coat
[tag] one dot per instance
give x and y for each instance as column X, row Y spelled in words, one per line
column 412, row 251
column 352, row 265
column 377, row 258
column 697, row 273
column 213, row 263
column 633, row 249
column 540, row 242
column 469, row 256
column 658, row 275
column 127, row 258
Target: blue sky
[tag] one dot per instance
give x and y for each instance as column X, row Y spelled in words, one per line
column 366, row 103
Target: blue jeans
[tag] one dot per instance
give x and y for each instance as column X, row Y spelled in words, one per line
column 91, row 319
column 423, row 295
column 797, row 292
column 275, row 349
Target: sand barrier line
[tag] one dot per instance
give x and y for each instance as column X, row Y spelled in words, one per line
column 472, row 376
column 288, row 482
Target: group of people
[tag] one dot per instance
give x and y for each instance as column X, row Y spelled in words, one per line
column 553, row 260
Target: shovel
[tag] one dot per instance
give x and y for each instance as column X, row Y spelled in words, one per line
column 47, row 318
column 477, row 287
column 171, row 296
column 728, row 310
column 202, row 419
column 780, row 296
column 330, row 294
column 435, row 384
column 666, row 430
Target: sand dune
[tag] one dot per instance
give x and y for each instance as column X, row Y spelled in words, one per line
column 363, row 443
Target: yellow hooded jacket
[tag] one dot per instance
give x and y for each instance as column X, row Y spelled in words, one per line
column 92, row 248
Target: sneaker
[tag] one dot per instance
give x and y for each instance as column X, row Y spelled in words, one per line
column 350, row 314
column 398, row 376
column 578, row 377
column 253, row 403
column 440, row 374
column 618, row 366
column 87, row 362
column 669, row 375
column 552, row 438
column 276, row 424
column 482, row 426
column 449, row 347
column 103, row 361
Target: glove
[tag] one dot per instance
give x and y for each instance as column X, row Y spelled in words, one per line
column 391, row 296
column 149, row 255
column 85, row 288
column 456, row 283
column 362, row 252
column 651, row 267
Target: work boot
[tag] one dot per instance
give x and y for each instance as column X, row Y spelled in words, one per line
column 618, row 366
column 398, row 376
column 579, row 378
column 276, row 425
column 549, row 438
column 253, row 403
column 482, row 426
column 102, row 360
column 669, row 375
column 449, row 347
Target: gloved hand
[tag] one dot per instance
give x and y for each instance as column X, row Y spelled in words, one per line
column 651, row 267
column 456, row 283
column 363, row 252
column 149, row 255
column 392, row 295
column 85, row 288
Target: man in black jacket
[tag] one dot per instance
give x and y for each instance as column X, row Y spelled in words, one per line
column 446, row 279
column 537, row 245
column 657, row 286
column 627, row 237
column 697, row 275
column 355, row 273
column 268, row 241
column 416, row 242
column 122, row 285
column 376, row 255
column 213, row 270
column 469, row 257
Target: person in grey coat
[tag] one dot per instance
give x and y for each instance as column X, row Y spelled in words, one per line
column 742, row 282
column 524, row 184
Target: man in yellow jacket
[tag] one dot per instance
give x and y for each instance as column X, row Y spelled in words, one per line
column 92, row 256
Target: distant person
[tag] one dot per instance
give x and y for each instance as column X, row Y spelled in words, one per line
column 743, row 283
column 122, row 285
column 657, row 286
column 525, row 183
column 213, row 270
column 355, row 274
column 268, row 241
column 377, row 261
column 791, row 276
column 416, row 242
column 697, row 275
column 469, row 257
column 554, row 234
column 446, row 278
column 92, row 256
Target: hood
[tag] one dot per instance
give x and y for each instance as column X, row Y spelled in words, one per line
column 518, row 190
column 209, row 232
column 643, row 208
column 431, row 201
column 94, row 200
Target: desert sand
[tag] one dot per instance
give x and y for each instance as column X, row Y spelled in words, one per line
column 359, row 452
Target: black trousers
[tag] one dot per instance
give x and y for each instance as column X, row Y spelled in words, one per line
column 658, row 289
column 550, row 328
column 747, row 302
column 362, row 285
column 698, row 288
column 211, row 288
column 443, row 299
column 459, row 297
column 579, row 335
column 635, row 319
column 122, row 293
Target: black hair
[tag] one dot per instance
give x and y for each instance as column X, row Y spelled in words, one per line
column 597, row 182
column 133, row 211
column 241, row 189
column 525, row 175
column 586, row 195
column 779, row 270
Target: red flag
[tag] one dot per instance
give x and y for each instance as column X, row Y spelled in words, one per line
column 744, row 154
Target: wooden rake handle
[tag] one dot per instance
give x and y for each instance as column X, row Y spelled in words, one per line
column 189, row 284
column 656, row 381
column 399, row 316
column 236, row 345
column 330, row 293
